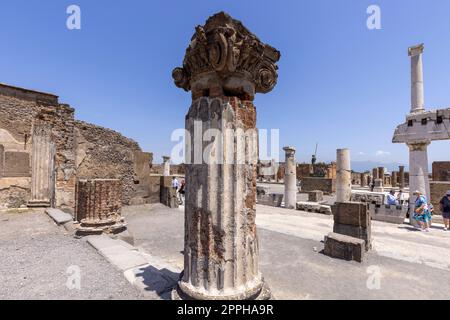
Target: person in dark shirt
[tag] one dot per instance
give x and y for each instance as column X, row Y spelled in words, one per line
column 445, row 208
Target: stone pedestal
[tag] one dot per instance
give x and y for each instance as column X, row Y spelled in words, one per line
column 401, row 177
column 224, row 66
column 353, row 219
column 166, row 166
column 418, row 173
column 42, row 167
column 98, row 206
column 315, row 196
column 343, row 176
column 290, row 179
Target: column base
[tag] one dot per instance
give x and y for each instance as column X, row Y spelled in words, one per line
column 261, row 292
column 38, row 204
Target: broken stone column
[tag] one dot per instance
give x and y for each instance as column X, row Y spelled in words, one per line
column 401, row 177
column 98, row 206
column 290, row 179
column 224, row 66
column 42, row 166
column 417, row 95
column 394, row 178
column 343, row 176
column 364, row 182
column 381, row 174
column 166, row 166
column 374, row 174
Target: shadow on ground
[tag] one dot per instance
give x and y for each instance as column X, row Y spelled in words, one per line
column 159, row 281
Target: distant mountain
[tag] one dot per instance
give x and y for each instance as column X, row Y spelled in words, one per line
column 362, row 166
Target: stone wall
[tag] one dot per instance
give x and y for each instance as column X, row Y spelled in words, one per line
column 82, row 150
column 441, row 171
column 328, row 186
column 103, row 153
column 437, row 191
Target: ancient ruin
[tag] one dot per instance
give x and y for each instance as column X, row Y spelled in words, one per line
column 224, row 66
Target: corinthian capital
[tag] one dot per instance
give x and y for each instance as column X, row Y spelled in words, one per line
column 224, row 58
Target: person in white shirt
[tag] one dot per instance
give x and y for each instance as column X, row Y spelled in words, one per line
column 175, row 183
column 392, row 199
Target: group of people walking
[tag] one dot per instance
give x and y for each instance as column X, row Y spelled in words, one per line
column 423, row 210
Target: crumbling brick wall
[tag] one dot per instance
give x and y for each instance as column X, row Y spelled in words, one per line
column 103, row 153
column 441, row 171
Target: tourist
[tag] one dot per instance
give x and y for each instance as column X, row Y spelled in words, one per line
column 392, row 199
column 445, row 209
column 401, row 197
column 182, row 191
column 422, row 212
column 175, row 183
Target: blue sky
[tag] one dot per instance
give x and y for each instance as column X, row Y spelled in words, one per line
column 340, row 84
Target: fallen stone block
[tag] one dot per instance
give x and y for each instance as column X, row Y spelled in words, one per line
column 59, row 216
column 315, row 196
column 362, row 233
column 273, row 199
column 313, row 207
column 344, row 247
column 390, row 214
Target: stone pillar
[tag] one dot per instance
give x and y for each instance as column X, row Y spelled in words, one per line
column 417, row 96
column 290, row 179
column 418, row 172
column 344, row 176
column 374, row 174
column 381, row 174
column 364, row 181
column 98, row 206
column 166, row 166
column 394, row 181
column 42, row 166
column 224, row 66
column 401, row 177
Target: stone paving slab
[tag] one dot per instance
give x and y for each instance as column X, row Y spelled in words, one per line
column 59, row 216
column 118, row 252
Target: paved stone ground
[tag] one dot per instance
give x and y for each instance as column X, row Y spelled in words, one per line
column 35, row 255
column 411, row 264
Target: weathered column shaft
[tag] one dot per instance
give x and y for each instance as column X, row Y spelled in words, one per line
column 364, row 181
column 290, row 179
column 381, row 173
column 401, row 178
column 374, row 174
column 394, row 181
column 42, row 166
column 221, row 244
column 417, row 92
column 166, row 166
column 344, row 176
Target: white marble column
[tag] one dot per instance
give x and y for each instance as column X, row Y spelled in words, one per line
column 343, row 176
column 166, row 166
column 418, row 172
column 417, row 95
column 290, row 179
